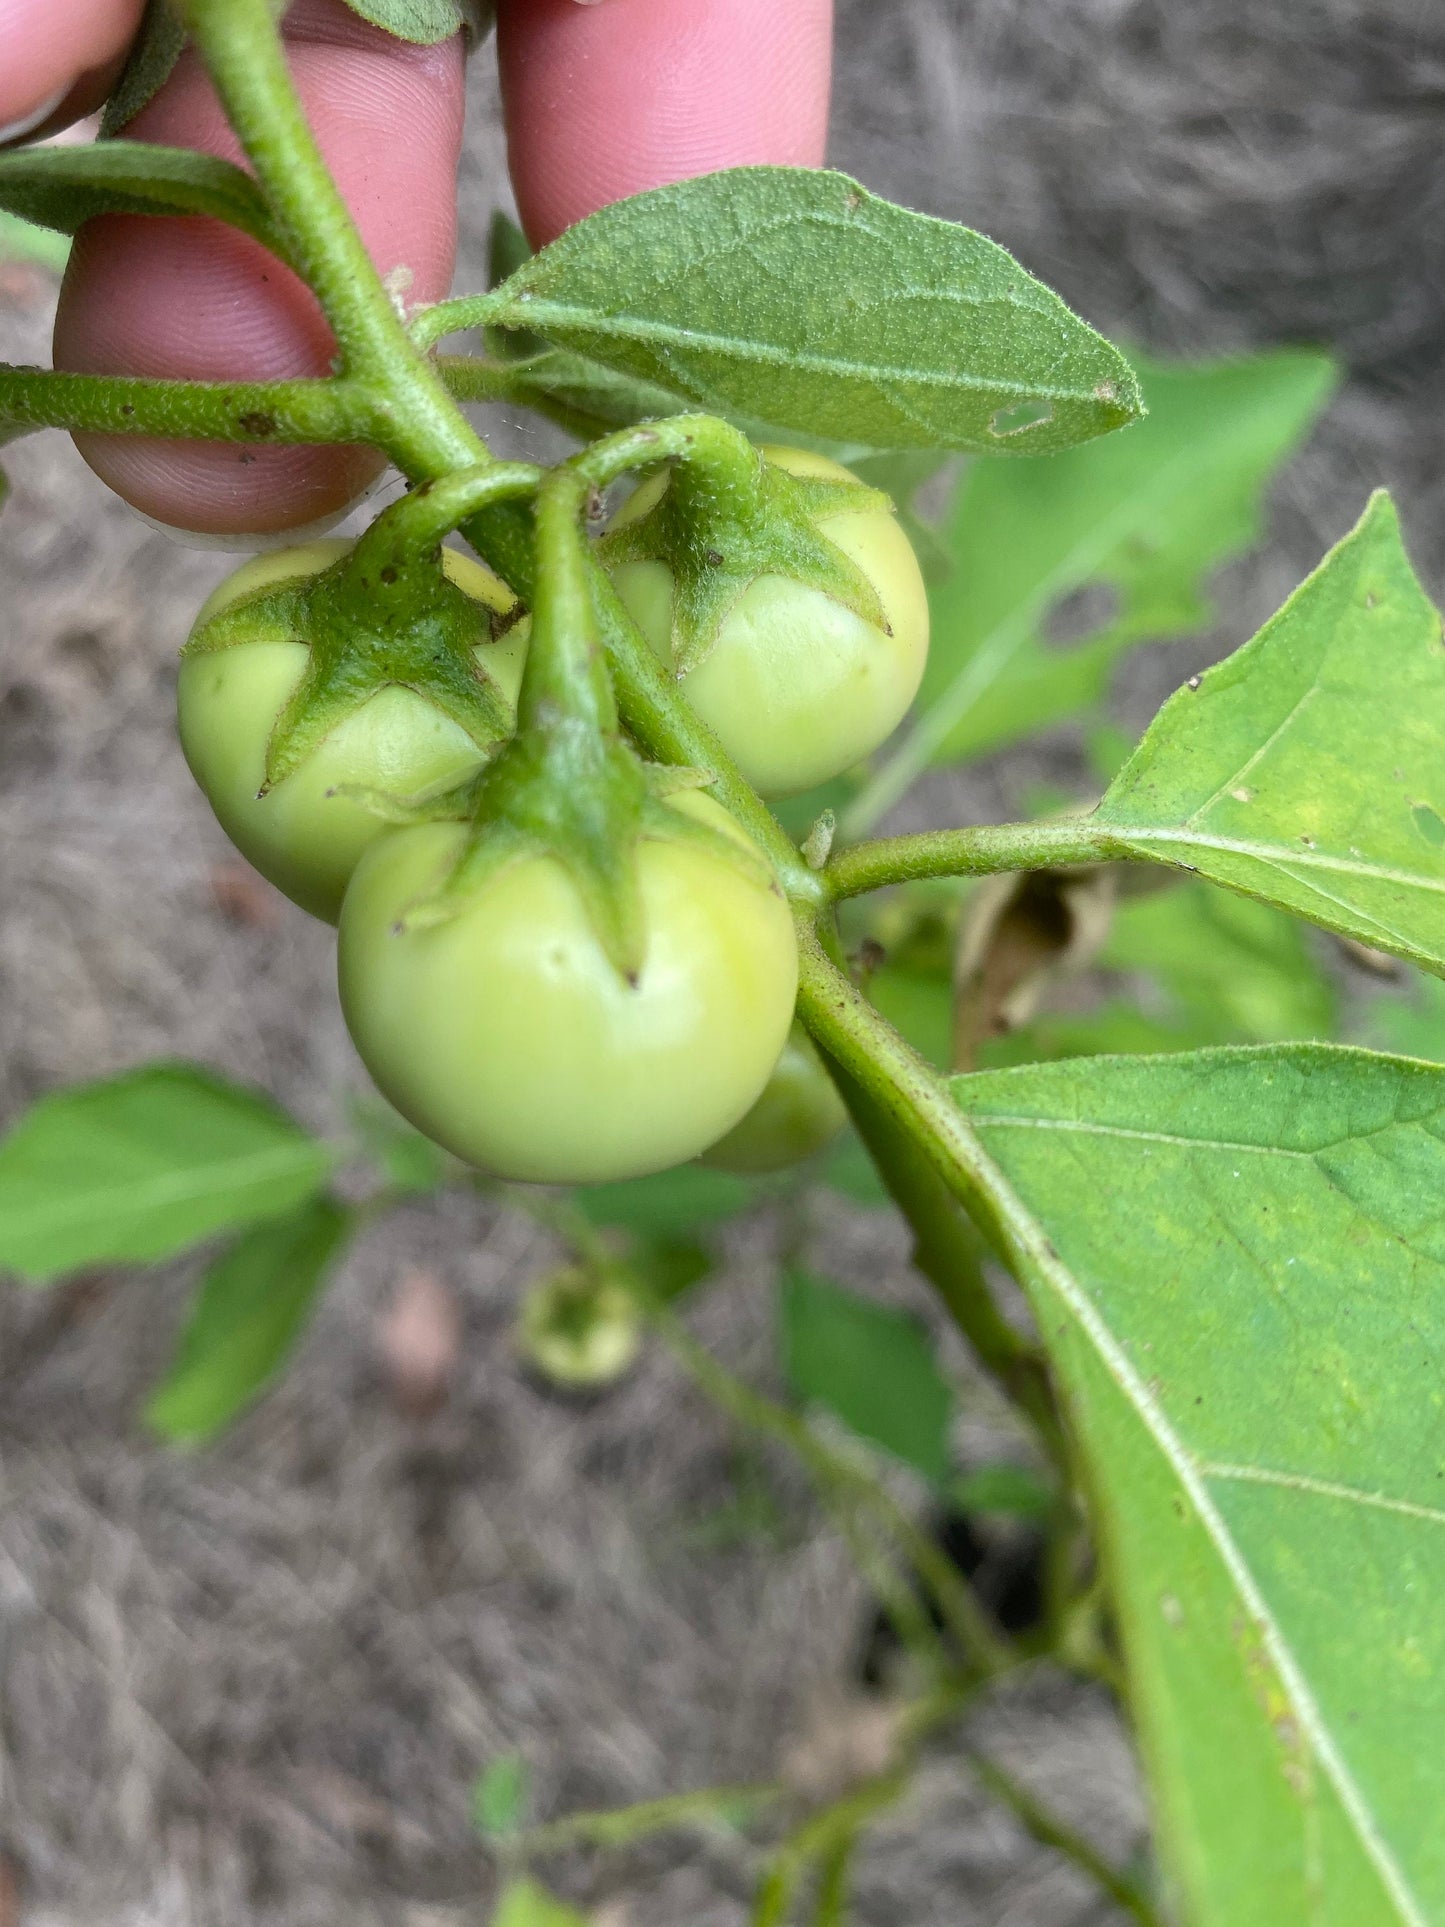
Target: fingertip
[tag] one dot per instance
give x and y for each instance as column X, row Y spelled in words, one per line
column 603, row 101
column 42, row 77
column 194, row 300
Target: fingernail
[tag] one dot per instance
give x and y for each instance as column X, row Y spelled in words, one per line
column 27, row 123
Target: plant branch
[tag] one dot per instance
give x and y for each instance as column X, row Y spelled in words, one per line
column 335, row 410
column 1050, row 1831
column 240, row 43
column 957, row 1605
column 620, row 1826
column 983, row 850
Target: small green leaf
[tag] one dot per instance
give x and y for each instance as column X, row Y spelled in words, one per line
column 524, row 1904
column 797, row 297
column 1236, row 1262
column 1296, row 771
column 142, row 1166
column 60, row 187
column 246, row 1320
column 1414, row 1024
column 670, row 1205
column 153, row 56
column 425, row 22
column 507, row 248
column 869, row 1365
column 499, row 1798
column 1136, row 522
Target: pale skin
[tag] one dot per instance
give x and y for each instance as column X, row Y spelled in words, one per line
column 601, row 100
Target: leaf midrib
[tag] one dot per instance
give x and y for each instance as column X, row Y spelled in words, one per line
column 131, row 1199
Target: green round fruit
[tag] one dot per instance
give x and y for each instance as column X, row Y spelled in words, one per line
column 306, row 840
column 798, row 1113
column 507, row 1035
column 797, row 687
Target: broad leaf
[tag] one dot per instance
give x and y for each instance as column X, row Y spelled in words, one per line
column 1309, row 768
column 869, row 1365
column 143, row 1166
column 60, row 187
column 1237, row 1263
column 1137, row 522
column 248, row 1315
column 797, row 297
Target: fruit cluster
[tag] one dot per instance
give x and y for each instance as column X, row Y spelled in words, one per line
column 344, row 756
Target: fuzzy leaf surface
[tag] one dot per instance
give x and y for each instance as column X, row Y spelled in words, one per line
column 60, row 187
column 795, row 296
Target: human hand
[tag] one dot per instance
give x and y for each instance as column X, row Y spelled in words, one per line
column 601, row 100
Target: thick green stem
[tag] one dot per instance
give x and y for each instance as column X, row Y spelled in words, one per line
column 565, row 675
column 240, row 43
column 257, row 411
column 981, row 851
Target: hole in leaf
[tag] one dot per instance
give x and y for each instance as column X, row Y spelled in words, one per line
column 1430, row 824
column 1083, row 612
column 1019, row 417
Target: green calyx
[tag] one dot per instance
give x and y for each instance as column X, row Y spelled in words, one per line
column 727, row 516
column 567, row 786
column 384, row 614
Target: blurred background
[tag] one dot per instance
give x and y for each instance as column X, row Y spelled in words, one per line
column 257, row 1684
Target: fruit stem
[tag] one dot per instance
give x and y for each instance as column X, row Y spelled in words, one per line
column 566, row 675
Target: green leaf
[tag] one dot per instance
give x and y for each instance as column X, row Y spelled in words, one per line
column 869, row 1365
column 1234, row 971
column 59, row 187
column 1012, row 1490
column 507, row 248
column 499, row 1798
column 524, row 1904
column 1138, row 520
column 1309, row 768
column 246, row 1320
column 153, row 55
column 670, row 1205
column 1237, row 1263
column 23, row 241
column 145, row 1165
column 797, row 297
column 425, row 22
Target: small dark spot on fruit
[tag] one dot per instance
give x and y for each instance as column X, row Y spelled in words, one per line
column 714, row 559
column 257, row 422
column 127, row 409
column 388, row 574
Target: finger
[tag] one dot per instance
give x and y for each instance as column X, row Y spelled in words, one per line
column 56, row 55
column 605, row 100
column 197, row 300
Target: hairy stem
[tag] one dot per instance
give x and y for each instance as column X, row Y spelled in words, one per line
column 256, row 411
column 980, row 851
column 1050, row 1831
column 240, row 43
